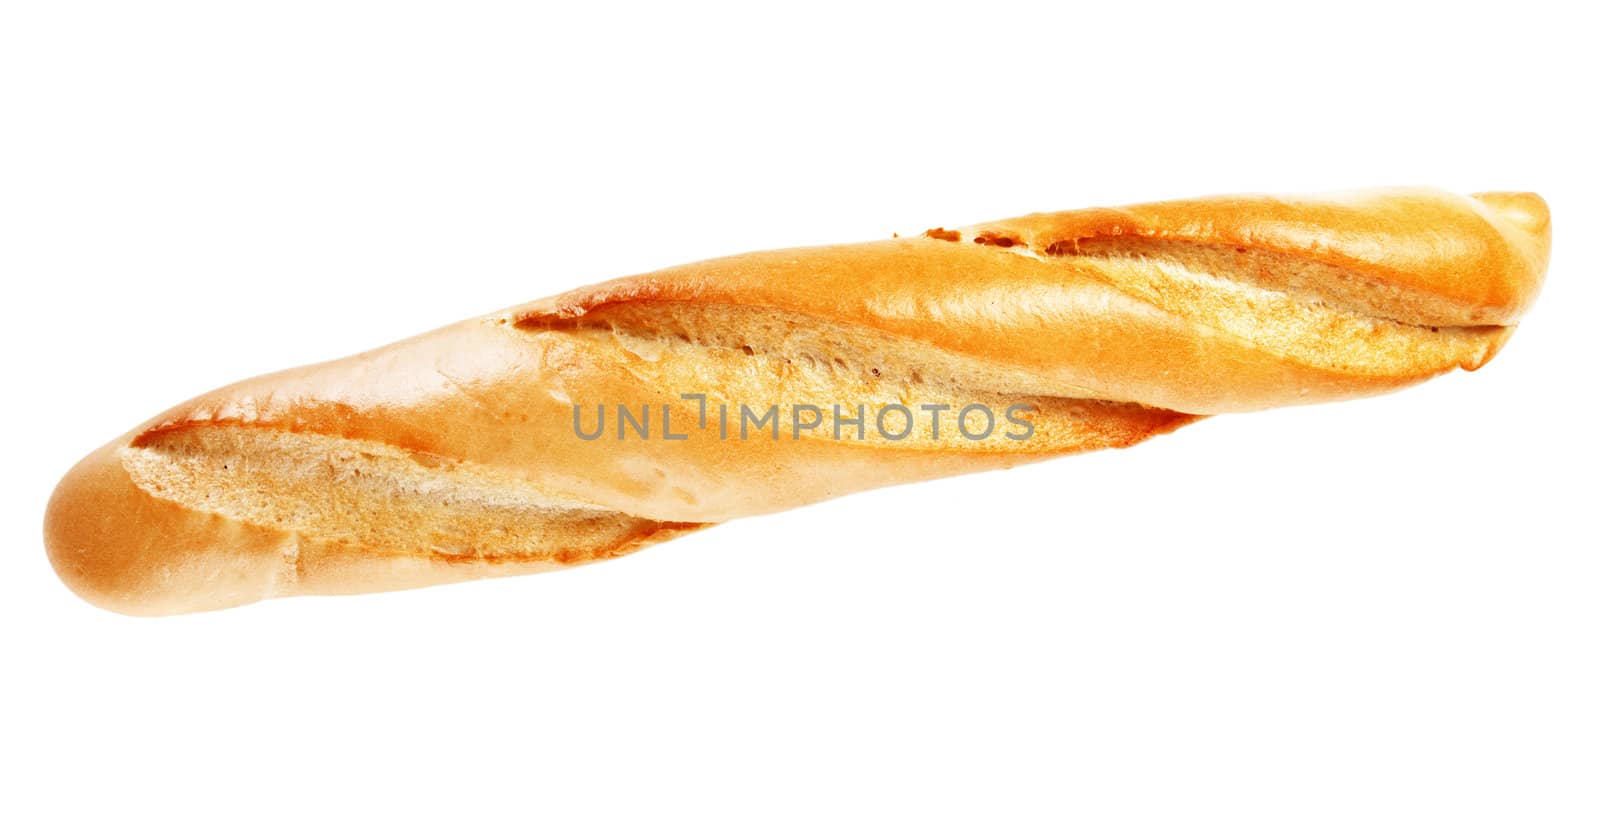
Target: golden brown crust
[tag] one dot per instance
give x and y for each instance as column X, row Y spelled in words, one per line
column 457, row 454
column 127, row 550
column 1479, row 257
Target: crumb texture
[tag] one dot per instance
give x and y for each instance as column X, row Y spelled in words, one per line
column 374, row 496
column 751, row 355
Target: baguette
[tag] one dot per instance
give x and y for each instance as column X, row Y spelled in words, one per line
column 593, row 423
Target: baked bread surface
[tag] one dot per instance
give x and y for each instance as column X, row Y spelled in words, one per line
column 462, row 453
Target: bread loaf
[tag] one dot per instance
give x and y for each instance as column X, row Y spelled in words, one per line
column 596, row 422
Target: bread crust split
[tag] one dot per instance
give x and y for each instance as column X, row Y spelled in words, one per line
column 462, row 453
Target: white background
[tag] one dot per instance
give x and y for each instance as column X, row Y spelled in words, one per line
column 1380, row 615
